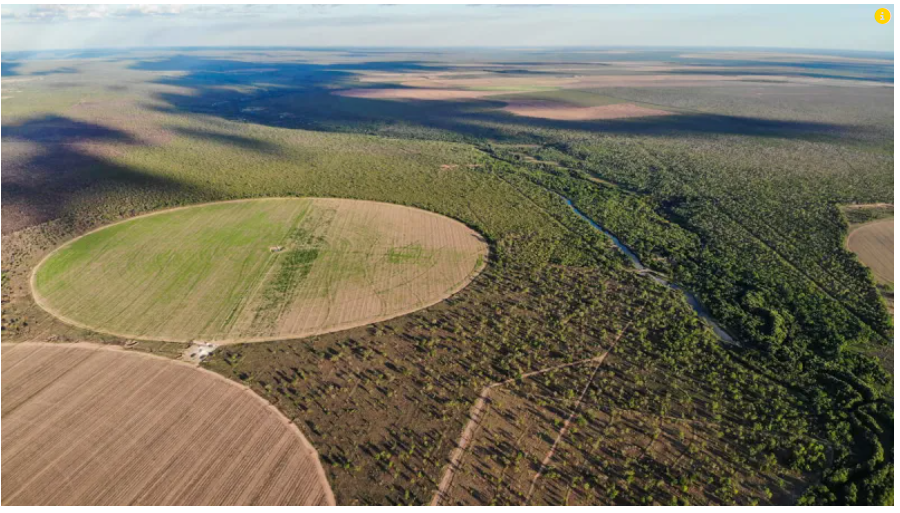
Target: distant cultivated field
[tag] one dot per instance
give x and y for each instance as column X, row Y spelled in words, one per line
column 567, row 112
column 874, row 244
column 258, row 269
column 84, row 425
column 414, row 93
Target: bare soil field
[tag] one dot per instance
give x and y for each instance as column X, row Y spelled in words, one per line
column 776, row 57
column 417, row 93
column 258, row 270
column 874, row 244
column 90, row 425
column 510, row 84
column 567, row 112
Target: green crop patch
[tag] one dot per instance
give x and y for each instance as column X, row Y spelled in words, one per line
column 257, row 269
column 408, row 254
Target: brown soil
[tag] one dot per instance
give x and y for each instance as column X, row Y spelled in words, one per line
column 874, row 243
column 90, row 425
column 649, row 77
column 414, row 94
column 566, row 112
column 860, row 206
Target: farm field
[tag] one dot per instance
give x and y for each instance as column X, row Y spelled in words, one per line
column 369, row 239
column 874, row 244
column 566, row 112
column 89, row 425
column 258, row 270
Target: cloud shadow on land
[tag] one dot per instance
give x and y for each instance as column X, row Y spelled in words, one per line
column 282, row 71
column 12, row 69
column 246, row 143
column 299, row 95
column 50, row 161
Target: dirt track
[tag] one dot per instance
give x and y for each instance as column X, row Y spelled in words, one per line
column 857, row 206
column 478, row 411
column 91, row 425
column 476, row 415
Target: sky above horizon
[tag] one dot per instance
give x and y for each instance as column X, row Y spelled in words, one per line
column 63, row 27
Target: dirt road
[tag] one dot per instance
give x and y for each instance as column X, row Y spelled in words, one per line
column 478, row 411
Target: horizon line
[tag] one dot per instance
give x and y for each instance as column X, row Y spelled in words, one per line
column 526, row 48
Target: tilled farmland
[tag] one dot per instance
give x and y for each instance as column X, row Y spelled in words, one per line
column 258, row 270
column 88, row 425
column 874, row 244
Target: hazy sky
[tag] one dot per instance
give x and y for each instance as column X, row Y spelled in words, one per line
column 45, row 27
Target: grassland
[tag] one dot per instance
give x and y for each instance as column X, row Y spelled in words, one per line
column 72, row 434
column 258, row 270
column 736, row 195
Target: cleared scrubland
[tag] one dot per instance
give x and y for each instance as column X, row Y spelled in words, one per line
column 84, row 425
column 649, row 423
column 618, row 447
column 258, row 270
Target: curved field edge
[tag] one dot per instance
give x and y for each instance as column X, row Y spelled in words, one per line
column 206, row 375
column 883, row 271
column 43, row 303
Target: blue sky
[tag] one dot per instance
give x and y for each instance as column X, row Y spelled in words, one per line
column 42, row 27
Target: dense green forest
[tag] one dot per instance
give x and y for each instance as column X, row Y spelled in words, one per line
column 792, row 310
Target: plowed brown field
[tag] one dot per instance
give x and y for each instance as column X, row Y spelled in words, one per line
column 566, row 112
column 874, row 244
column 88, row 425
column 414, row 93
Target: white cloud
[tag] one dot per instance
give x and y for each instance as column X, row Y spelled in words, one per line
column 58, row 12
column 150, row 10
column 30, row 27
column 69, row 12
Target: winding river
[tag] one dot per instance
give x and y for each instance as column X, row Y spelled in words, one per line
column 692, row 300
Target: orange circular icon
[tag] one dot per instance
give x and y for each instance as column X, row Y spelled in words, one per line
column 882, row 15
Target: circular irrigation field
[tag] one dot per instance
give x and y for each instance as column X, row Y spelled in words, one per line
column 93, row 425
column 254, row 270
